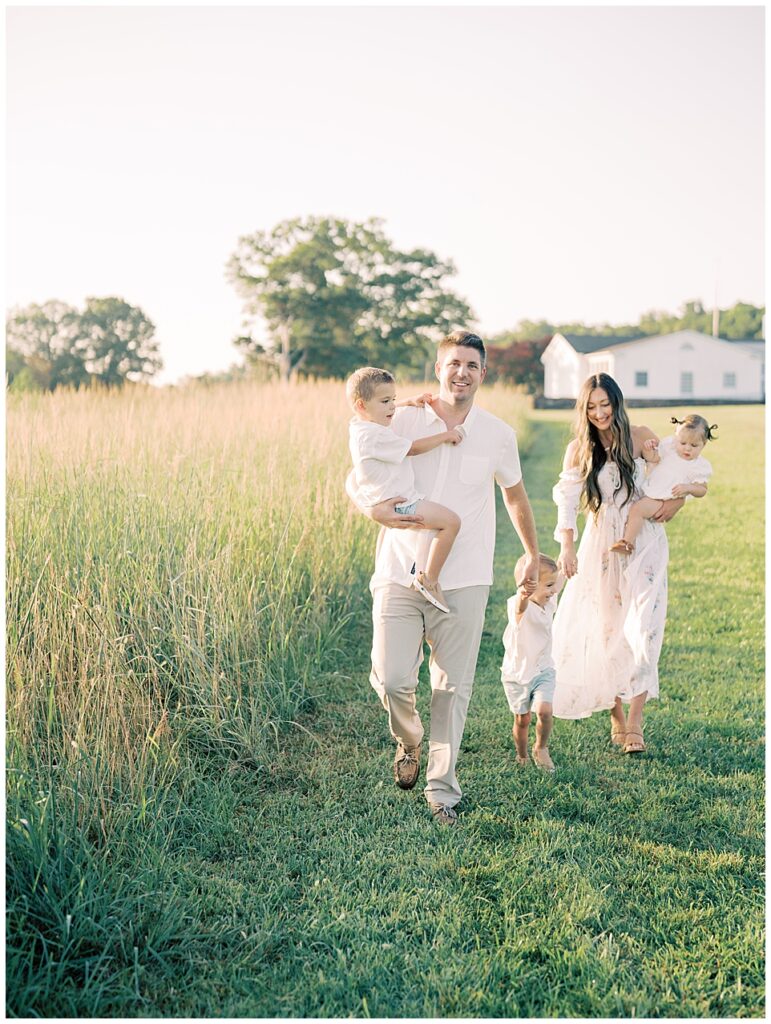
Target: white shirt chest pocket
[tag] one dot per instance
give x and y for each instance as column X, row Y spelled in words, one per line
column 473, row 469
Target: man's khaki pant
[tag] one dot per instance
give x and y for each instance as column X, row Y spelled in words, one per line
column 402, row 618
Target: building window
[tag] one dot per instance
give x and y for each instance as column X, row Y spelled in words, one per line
column 686, row 383
column 641, row 378
column 729, row 380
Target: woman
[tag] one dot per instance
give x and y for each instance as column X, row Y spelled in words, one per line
column 610, row 622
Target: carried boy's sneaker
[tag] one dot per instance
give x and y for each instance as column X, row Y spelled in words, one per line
column 431, row 591
column 406, row 766
column 444, row 815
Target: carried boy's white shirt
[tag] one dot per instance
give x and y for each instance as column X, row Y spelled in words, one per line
column 380, row 464
column 460, row 477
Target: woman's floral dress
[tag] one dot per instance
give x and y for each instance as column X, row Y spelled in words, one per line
column 610, row 621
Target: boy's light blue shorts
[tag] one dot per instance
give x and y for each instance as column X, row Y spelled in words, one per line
column 406, row 510
column 523, row 696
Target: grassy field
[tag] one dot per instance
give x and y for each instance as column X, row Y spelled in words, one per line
column 201, row 815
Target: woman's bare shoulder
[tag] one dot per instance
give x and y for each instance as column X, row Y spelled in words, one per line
column 642, row 433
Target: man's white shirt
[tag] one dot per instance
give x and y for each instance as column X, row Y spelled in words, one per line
column 460, row 477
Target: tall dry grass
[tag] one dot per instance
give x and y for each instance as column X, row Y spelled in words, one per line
column 182, row 565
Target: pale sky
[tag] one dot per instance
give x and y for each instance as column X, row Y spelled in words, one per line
column 585, row 163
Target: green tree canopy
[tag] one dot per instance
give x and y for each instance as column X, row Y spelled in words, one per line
column 116, row 341
column 54, row 344
column 334, row 295
column 42, row 346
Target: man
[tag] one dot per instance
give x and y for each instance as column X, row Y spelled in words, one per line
column 461, row 478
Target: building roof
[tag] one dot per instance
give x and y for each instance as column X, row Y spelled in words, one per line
column 586, row 343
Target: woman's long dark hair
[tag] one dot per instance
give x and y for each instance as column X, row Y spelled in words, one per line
column 591, row 451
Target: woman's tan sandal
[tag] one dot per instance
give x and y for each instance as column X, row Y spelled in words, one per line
column 618, row 737
column 622, row 547
column 635, row 744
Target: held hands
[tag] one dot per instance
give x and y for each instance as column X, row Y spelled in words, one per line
column 530, row 581
column 385, row 513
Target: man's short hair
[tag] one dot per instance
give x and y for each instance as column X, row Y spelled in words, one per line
column 465, row 338
column 363, row 382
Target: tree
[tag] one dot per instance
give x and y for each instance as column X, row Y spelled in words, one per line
column 116, row 342
column 517, row 362
column 334, row 295
column 44, row 337
column 54, row 344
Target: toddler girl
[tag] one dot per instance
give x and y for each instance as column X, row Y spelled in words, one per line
column 678, row 469
column 382, row 469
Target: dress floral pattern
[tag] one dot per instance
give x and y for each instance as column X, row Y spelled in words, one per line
column 609, row 625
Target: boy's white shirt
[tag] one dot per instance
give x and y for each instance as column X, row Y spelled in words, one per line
column 527, row 643
column 380, row 464
column 460, row 477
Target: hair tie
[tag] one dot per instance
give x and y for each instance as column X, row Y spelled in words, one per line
column 676, row 420
column 710, row 436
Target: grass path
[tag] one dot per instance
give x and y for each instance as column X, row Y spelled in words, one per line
column 617, row 887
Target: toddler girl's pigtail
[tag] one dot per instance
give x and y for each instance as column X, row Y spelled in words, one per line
column 676, row 420
column 710, row 435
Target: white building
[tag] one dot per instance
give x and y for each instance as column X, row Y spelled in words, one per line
column 686, row 366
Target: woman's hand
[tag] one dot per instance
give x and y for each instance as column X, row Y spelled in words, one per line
column 385, row 513
column 567, row 562
column 669, row 508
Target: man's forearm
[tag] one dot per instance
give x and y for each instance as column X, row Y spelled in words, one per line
column 521, row 516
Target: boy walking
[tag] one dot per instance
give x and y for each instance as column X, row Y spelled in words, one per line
column 527, row 672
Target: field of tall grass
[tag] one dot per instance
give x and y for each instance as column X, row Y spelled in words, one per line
column 183, row 567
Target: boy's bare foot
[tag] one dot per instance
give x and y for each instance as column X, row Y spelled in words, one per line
column 522, row 761
column 542, row 758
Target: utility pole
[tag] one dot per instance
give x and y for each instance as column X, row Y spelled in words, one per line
column 715, row 309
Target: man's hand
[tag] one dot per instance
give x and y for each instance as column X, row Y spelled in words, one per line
column 385, row 513
column 669, row 508
column 530, row 579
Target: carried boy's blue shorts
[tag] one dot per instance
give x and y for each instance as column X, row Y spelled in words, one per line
column 406, row 510
column 522, row 696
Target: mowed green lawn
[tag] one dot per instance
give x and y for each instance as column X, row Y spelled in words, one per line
column 617, row 887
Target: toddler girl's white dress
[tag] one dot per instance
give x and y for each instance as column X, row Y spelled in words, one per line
column 672, row 470
column 610, row 620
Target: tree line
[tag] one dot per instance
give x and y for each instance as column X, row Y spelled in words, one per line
column 106, row 342
column 321, row 296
